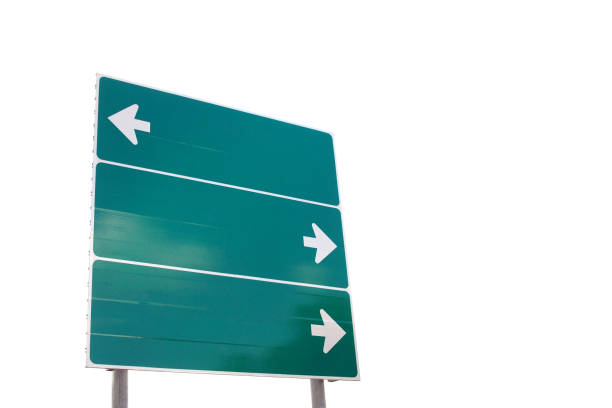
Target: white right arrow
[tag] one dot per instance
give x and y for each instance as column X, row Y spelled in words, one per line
column 321, row 242
column 125, row 120
column 329, row 329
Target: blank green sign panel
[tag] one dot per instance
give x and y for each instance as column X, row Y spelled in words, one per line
column 217, row 242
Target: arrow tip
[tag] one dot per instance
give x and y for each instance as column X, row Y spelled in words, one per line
column 334, row 332
column 125, row 120
column 325, row 245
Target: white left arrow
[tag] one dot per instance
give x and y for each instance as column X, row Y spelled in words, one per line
column 125, row 120
column 329, row 329
column 321, row 242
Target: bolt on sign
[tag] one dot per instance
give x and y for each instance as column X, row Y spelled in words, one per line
column 217, row 241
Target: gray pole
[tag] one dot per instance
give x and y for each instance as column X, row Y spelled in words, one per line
column 120, row 388
column 317, row 392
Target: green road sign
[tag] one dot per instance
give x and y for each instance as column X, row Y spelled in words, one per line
column 217, row 242
column 184, row 136
column 143, row 316
column 153, row 218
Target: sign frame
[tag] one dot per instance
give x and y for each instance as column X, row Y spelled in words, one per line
column 93, row 257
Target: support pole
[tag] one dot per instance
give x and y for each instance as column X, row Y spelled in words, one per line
column 120, row 388
column 317, row 392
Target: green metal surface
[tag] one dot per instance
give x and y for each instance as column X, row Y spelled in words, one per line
column 207, row 141
column 160, row 318
column 152, row 218
column 224, row 273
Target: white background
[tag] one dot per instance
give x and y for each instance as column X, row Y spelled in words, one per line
column 474, row 145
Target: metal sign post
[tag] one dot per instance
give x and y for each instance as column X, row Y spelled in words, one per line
column 120, row 388
column 317, row 393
